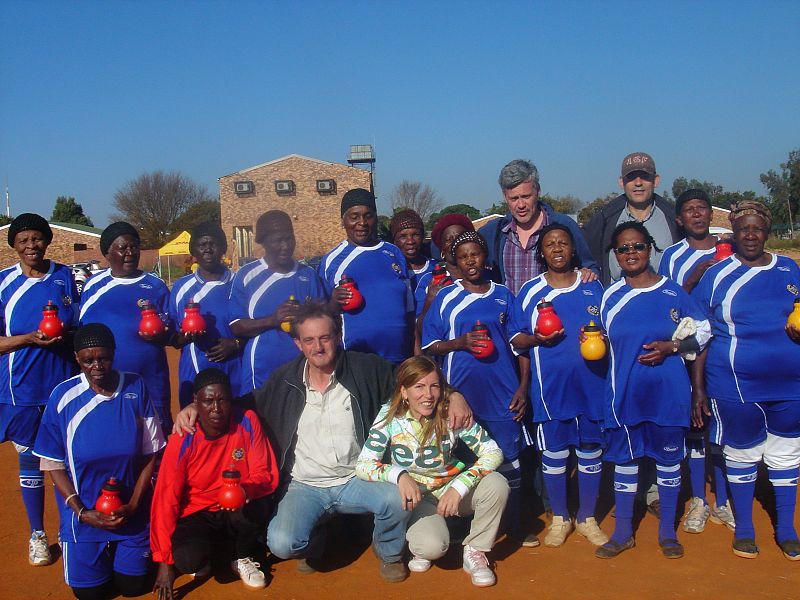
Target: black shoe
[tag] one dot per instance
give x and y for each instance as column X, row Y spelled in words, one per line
column 745, row 547
column 791, row 549
column 671, row 548
column 613, row 549
column 304, row 565
column 654, row 508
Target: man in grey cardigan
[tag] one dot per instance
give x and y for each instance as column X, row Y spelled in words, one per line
column 639, row 202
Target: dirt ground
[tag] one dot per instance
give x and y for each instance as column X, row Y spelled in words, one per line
column 350, row 570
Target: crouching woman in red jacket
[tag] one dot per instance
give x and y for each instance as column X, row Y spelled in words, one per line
column 189, row 514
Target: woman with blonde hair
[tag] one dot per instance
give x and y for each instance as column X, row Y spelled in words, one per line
column 431, row 480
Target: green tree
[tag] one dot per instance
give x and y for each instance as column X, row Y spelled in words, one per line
column 66, row 210
column 153, row 202
column 568, row 205
column 4, row 220
column 587, row 212
column 498, row 208
column 784, row 189
column 205, row 210
column 383, row 228
column 465, row 209
column 681, row 184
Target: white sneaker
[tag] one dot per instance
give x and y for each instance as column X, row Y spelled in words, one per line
column 557, row 532
column 723, row 515
column 419, row 565
column 477, row 565
column 591, row 531
column 39, row 550
column 249, row 573
column 696, row 516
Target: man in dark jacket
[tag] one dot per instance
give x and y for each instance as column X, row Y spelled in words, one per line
column 639, row 202
column 512, row 239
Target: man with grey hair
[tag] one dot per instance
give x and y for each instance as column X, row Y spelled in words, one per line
column 512, row 239
column 639, row 202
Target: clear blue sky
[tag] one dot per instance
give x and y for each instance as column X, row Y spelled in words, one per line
column 92, row 94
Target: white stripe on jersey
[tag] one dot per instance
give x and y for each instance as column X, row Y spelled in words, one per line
column 13, row 273
column 81, row 385
column 109, row 285
column 464, row 303
column 333, row 254
column 684, row 246
column 680, row 276
column 255, row 271
column 95, row 279
column 152, row 436
column 262, row 289
column 727, row 301
column 351, row 257
column 534, row 291
column 715, row 412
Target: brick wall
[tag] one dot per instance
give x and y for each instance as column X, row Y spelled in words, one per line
column 61, row 249
column 316, row 218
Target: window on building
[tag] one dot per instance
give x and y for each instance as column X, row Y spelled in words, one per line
column 243, row 237
column 79, row 246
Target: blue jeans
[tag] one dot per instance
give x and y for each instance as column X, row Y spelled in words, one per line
column 302, row 507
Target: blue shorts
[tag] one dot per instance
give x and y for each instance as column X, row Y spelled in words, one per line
column 88, row 564
column 560, row 435
column 665, row 445
column 19, row 424
column 508, row 435
column 746, row 424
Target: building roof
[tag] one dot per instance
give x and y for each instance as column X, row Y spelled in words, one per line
column 282, row 158
column 85, row 229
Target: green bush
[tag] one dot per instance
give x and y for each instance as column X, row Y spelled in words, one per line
column 776, row 244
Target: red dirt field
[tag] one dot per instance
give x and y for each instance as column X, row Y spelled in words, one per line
column 709, row 569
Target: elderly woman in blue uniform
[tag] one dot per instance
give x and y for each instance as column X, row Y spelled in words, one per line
column 751, row 377
column 31, row 364
column 651, row 322
column 115, row 297
column 210, row 287
column 97, row 425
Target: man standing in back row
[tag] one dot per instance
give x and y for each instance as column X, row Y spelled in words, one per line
column 639, row 202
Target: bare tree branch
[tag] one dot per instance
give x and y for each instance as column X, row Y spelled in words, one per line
column 412, row 194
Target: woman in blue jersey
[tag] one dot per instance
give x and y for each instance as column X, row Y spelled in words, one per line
column 650, row 322
column 685, row 263
column 31, row 364
column 210, row 287
column 115, row 297
column 408, row 233
column 383, row 324
column 565, row 388
column 261, row 300
column 752, row 375
column 496, row 387
column 98, row 425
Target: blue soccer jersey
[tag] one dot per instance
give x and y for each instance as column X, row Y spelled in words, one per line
column 416, row 274
column 116, row 302
column 563, row 384
column 633, row 317
column 257, row 292
column 679, row 260
column 751, row 358
column 97, row 437
column 383, row 325
column 488, row 384
column 28, row 375
column 213, row 297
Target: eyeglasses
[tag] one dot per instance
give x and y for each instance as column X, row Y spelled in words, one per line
column 634, row 175
column 626, row 249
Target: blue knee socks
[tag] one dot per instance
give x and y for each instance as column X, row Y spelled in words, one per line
column 742, row 481
column 784, row 482
column 626, row 479
column 590, row 469
column 31, row 483
column 554, row 472
column 669, row 486
column 697, row 468
column 720, row 480
column 513, row 513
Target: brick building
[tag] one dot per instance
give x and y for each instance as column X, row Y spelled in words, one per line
column 71, row 243
column 307, row 189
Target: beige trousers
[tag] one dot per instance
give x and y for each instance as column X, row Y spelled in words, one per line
column 427, row 533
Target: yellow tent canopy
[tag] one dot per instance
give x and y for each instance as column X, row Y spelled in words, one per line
column 180, row 245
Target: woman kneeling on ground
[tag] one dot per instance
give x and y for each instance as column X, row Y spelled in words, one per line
column 431, row 480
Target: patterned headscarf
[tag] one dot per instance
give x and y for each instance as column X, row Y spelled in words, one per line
column 405, row 219
column 467, row 237
column 750, row 207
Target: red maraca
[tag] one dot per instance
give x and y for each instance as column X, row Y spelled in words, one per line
column 487, row 349
column 109, row 500
column 356, row 300
column 724, row 249
column 440, row 275
column 193, row 322
column 548, row 321
column 232, row 495
column 151, row 324
column 51, row 325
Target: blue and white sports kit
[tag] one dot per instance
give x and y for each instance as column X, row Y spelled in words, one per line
column 753, row 382
column 417, row 274
column 116, row 302
column 214, row 300
column 97, row 437
column 383, row 325
column 257, row 292
column 679, row 260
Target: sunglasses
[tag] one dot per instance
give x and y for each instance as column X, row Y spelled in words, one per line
column 634, row 175
column 626, row 249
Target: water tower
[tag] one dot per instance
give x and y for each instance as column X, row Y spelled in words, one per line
column 363, row 154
